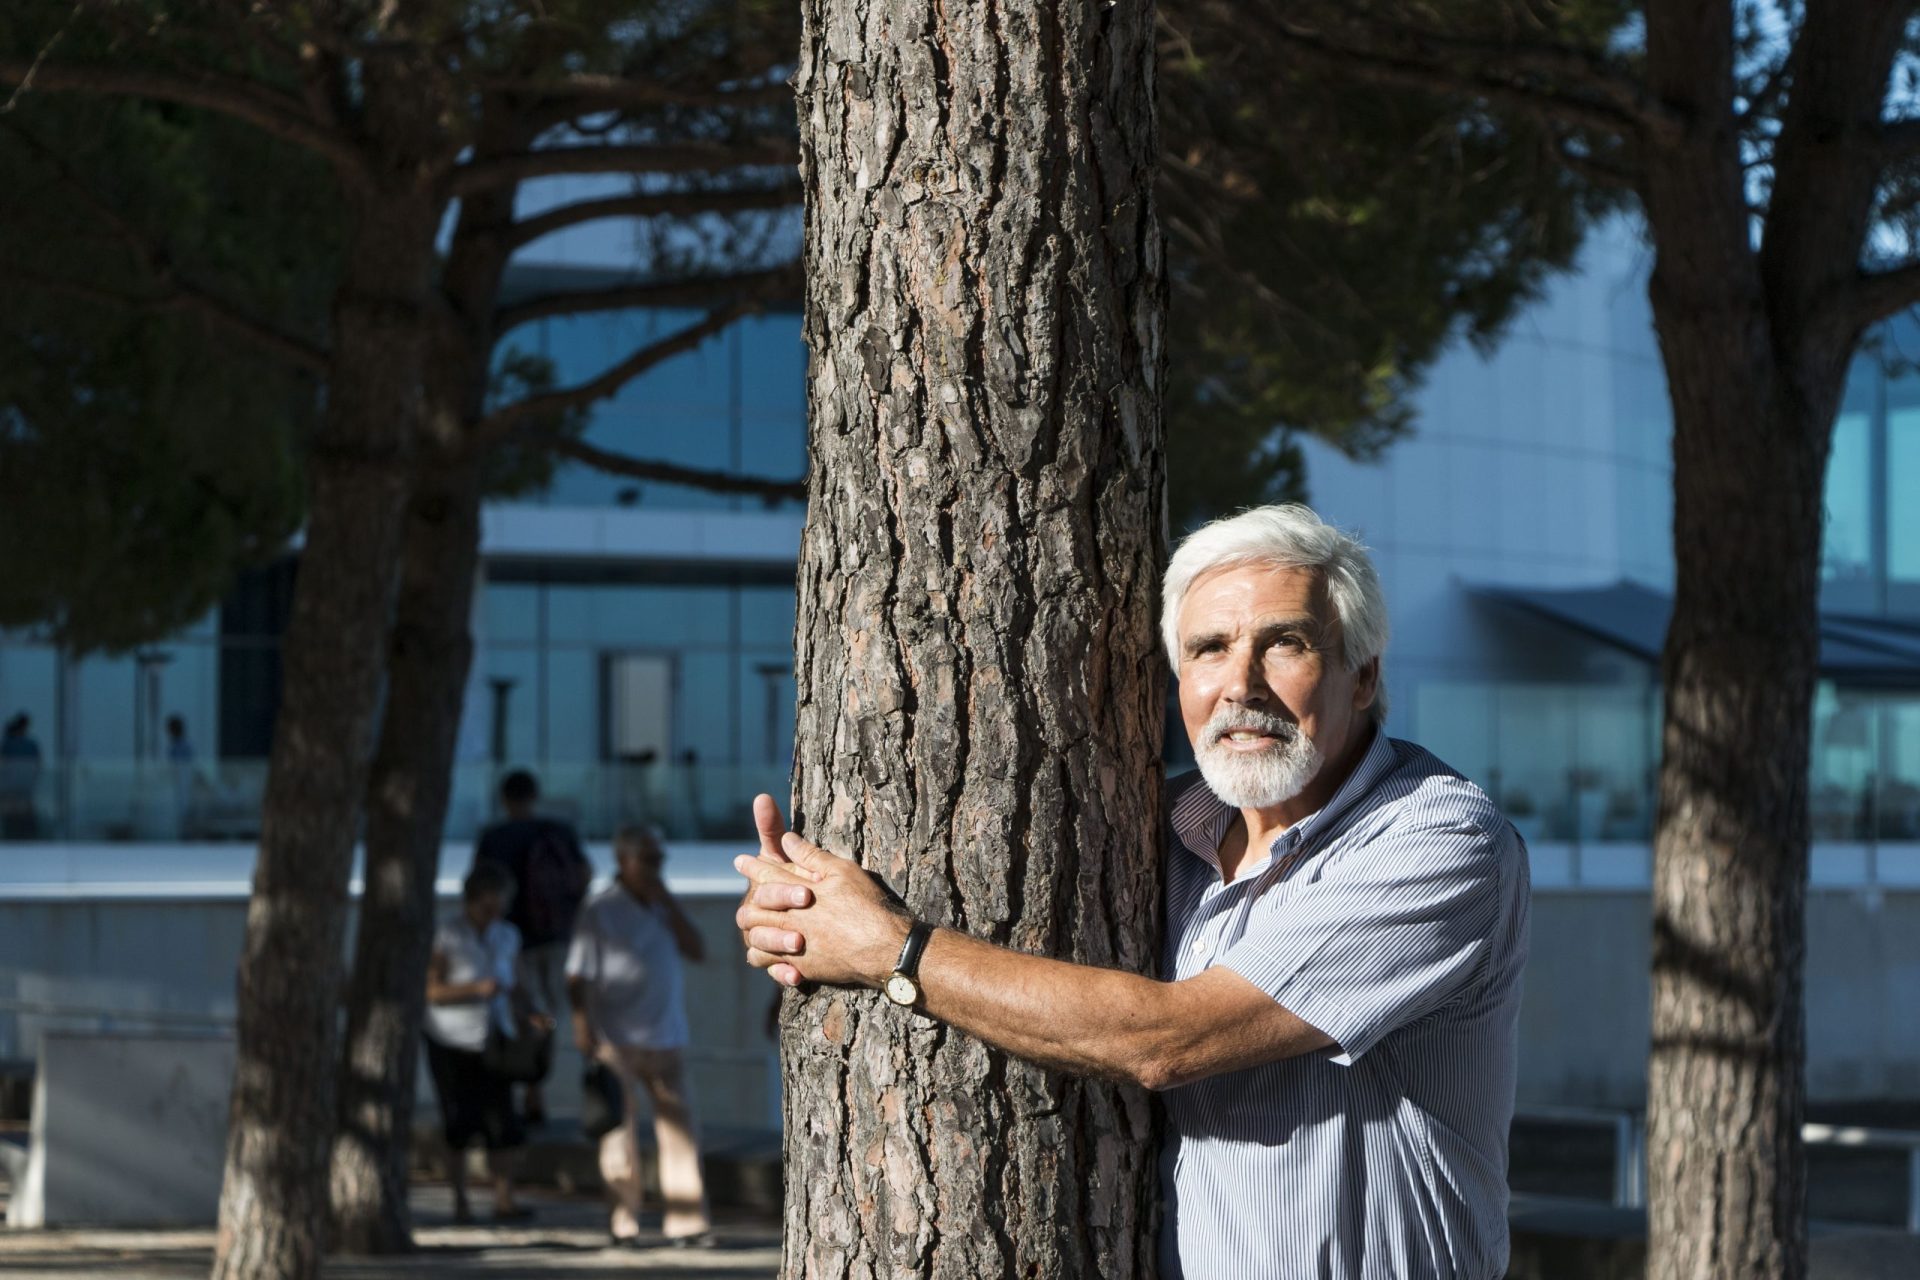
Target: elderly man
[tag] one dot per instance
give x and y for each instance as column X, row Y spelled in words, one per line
column 1333, row 1032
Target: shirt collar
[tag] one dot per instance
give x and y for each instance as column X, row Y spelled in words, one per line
column 1200, row 818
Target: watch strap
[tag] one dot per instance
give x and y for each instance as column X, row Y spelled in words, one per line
column 912, row 948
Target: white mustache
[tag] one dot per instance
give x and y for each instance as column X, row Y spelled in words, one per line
column 1257, row 721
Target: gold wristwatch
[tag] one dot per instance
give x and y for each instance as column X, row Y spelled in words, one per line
column 903, row 984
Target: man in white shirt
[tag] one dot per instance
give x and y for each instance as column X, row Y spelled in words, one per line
column 629, row 1012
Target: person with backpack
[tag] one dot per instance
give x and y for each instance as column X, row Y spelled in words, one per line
column 544, row 857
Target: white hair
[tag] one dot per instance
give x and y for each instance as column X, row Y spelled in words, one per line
column 1290, row 536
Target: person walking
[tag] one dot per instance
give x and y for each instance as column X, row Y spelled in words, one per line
column 470, row 981
column 629, row 1011
column 185, row 776
column 544, row 857
column 19, row 780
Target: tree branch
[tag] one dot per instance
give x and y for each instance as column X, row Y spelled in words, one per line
column 505, row 419
column 671, row 473
column 675, row 203
column 181, row 296
column 175, row 293
column 278, row 115
column 587, row 94
column 763, row 286
column 1601, row 171
column 691, row 157
column 1900, row 139
column 1607, row 102
column 1876, row 295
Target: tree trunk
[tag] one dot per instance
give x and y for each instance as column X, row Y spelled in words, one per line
column 1726, row 1173
column 1726, row 1076
column 981, row 689
column 428, row 661
column 427, row 667
column 274, row 1201
column 1756, row 357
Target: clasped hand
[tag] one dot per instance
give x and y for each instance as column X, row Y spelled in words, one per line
column 813, row 916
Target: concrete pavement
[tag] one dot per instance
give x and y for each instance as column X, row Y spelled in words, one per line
column 566, row 1240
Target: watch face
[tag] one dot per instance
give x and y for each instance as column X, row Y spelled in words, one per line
column 902, row 990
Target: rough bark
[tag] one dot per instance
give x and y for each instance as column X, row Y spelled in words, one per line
column 1725, row 1077
column 428, row 661
column 1756, row 361
column 274, row 1200
column 980, row 688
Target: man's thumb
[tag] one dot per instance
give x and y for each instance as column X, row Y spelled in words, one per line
column 805, row 852
column 768, row 823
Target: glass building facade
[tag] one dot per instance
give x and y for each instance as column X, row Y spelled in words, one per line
column 1545, row 467
column 634, row 638
column 641, row 680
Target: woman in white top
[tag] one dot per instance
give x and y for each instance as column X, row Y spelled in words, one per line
column 470, row 979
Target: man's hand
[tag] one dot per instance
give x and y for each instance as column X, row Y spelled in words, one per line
column 850, row 934
column 778, row 897
column 583, row 1038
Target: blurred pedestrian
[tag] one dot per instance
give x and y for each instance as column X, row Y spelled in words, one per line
column 544, row 857
column 19, row 780
column 180, row 761
column 470, row 981
column 629, row 1011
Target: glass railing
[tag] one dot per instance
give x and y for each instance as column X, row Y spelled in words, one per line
column 1578, row 764
column 214, row 801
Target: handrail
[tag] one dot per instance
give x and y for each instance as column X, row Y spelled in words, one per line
column 225, row 1021
column 1630, row 1147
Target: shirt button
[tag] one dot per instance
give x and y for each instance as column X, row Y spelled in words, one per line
column 1199, row 946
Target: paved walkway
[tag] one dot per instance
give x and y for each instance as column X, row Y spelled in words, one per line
column 567, row 1239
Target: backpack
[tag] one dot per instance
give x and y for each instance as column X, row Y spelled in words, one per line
column 555, row 881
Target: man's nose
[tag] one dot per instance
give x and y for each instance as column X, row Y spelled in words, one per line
column 1247, row 680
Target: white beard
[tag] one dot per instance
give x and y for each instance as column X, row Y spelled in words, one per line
column 1257, row 779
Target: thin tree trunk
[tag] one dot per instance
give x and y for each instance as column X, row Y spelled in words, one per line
column 980, row 685
column 428, row 662
column 274, row 1201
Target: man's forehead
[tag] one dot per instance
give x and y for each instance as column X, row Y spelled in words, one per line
column 1263, row 590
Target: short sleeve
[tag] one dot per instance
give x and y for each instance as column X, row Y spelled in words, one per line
column 1392, row 930
column 583, row 952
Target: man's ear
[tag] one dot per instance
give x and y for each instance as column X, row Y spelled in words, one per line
column 1366, row 684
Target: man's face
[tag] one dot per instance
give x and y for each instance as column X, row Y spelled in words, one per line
column 640, row 864
column 485, row 908
column 1264, row 689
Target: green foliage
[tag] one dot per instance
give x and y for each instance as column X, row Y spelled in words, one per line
column 138, row 472
column 146, row 454
column 1327, row 239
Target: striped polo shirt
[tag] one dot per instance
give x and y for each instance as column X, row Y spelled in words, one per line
column 1395, row 921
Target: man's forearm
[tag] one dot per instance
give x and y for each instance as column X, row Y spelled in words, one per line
column 1077, row 1018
